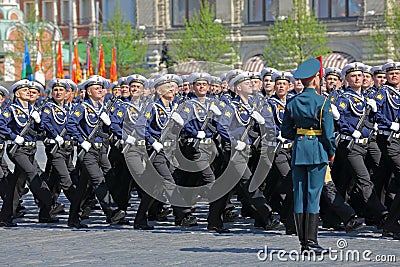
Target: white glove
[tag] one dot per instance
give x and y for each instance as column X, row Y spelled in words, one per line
column 376, row 126
column 105, row 118
column 280, row 138
column 240, row 145
column 86, row 145
column 201, row 134
column 19, row 140
column 372, row 103
column 395, row 126
column 130, row 140
column 36, row 116
column 59, row 140
column 157, row 146
column 215, row 110
column 335, row 112
column 177, row 118
column 356, row 134
column 257, row 116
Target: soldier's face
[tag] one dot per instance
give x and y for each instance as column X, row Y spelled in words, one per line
column 1, row 99
column 23, row 94
column 34, row 95
column 146, row 91
column 355, row 79
column 116, row 91
column 186, row 87
column 379, row 79
column 281, row 88
column 166, row 91
column 257, row 84
column 268, row 84
column 125, row 92
column 393, row 77
column 67, row 95
column 136, row 89
column 332, row 81
column 224, row 86
column 58, row 93
column 367, row 82
column 201, row 88
column 95, row 92
column 245, row 88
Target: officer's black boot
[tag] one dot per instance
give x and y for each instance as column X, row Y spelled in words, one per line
column 311, row 231
column 299, row 222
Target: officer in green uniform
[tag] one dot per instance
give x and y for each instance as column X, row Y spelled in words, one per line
column 308, row 121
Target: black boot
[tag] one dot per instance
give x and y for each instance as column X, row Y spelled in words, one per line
column 299, row 222
column 311, row 231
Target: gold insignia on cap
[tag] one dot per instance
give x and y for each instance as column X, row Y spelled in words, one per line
column 394, row 64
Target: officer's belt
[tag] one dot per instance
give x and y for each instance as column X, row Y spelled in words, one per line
column 302, row 131
column 287, row 145
column 29, row 143
column 387, row 133
column 356, row 140
column 97, row 145
column 1, row 146
column 270, row 143
column 206, row 141
column 140, row 142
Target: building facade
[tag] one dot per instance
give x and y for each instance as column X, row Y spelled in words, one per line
column 349, row 22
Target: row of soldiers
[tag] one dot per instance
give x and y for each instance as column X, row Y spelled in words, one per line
column 174, row 138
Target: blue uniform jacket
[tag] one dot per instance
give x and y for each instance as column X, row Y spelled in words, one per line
column 82, row 121
column 309, row 110
column 13, row 119
column 351, row 107
column 388, row 104
column 54, row 119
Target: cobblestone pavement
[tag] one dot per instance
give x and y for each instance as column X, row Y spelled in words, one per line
column 36, row 244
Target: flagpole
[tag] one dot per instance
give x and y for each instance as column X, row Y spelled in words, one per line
column 71, row 35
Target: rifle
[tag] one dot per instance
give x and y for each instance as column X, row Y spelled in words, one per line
column 5, row 105
column 98, row 126
column 56, row 146
column 390, row 137
column 127, row 146
column 359, row 126
column 27, row 128
column 165, row 132
column 203, row 128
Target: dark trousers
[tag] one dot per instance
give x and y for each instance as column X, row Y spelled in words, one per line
column 24, row 159
column 96, row 165
column 362, row 194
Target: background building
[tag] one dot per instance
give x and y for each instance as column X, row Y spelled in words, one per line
column 349, row 23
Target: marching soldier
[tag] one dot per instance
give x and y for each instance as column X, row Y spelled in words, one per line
column 314, row 145
column 352, row 107
column 12, row 121
column 333, row 79
column 95, row 163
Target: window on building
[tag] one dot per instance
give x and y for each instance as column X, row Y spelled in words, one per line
column 64, row 14
column 185, row 9
column 336, row 8
column 85, row 12
column 48, row 11
column 262, row 10
column 127, row 7
column 29, row 11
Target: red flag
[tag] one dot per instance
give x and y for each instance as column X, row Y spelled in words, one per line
column 321, row 68
column 76, row 67
column 60, row 70
column 113, row 67
column 102, row 65
column 89, row 68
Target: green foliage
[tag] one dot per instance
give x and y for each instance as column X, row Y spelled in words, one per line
column 295, row 38
column 384, row 40
column 202, row 39
column 131, row 50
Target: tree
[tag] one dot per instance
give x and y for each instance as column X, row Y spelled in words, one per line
column 131, row 50
column 384, row 38
column 202, row 39
column 295, row 38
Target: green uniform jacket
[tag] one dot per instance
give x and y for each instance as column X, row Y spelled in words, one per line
column 304, row 111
